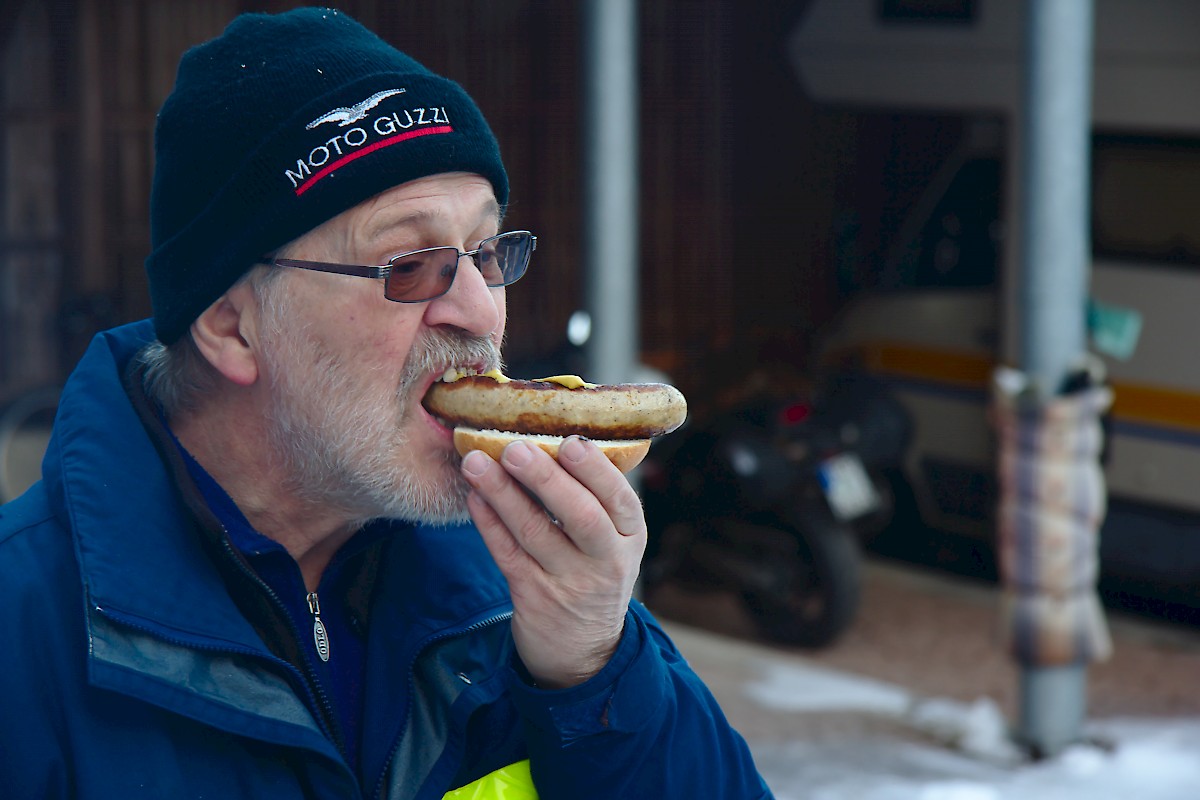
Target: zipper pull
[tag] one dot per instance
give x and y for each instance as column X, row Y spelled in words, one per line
column 320, row 635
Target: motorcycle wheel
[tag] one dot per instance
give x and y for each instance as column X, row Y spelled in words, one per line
column 25, row 426
column 813, row 596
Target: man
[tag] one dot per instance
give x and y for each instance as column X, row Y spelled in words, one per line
column 254, row 566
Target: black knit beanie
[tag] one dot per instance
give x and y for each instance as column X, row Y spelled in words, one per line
column 279, row 124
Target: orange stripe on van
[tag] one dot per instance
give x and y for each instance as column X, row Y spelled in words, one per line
column 1156, row 406
column 1132, row 402
column 947, row 366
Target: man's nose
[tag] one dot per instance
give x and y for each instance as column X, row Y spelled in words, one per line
column 469, row 304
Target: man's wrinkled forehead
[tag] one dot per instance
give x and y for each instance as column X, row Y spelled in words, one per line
column 469, row 200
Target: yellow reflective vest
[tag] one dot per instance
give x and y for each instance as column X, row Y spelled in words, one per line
column 507, row 783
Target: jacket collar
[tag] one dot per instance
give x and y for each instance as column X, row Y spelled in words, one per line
column 137, row 554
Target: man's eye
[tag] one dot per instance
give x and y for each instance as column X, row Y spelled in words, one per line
column 407, row 266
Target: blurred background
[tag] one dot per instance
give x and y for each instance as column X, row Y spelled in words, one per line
column 738, row 169
column 801, row 218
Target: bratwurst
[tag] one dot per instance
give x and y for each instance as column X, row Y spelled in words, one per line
column 488, row 411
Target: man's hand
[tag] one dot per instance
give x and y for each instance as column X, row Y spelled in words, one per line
column 571, row 560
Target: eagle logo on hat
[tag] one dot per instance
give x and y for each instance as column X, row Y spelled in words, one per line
column 349, row 114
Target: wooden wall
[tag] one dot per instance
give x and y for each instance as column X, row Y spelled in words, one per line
column 733, row 191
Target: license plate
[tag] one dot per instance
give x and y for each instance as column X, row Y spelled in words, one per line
column 847, row 487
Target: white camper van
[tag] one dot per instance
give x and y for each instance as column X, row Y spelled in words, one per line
column 942, row 315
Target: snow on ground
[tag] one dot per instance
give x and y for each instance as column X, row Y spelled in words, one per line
column 959, row 751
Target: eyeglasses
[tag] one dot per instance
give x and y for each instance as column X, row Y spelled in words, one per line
column 423, row 275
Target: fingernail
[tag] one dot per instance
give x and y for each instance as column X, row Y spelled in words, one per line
column 573, row 450
column 475, row 463
column 517, row 454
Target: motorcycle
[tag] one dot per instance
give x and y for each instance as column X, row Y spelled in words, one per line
column 764, row 500
column 868, row 419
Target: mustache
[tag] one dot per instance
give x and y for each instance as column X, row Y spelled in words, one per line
column 438, row 350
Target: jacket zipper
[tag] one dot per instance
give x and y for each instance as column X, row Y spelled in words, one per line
column 307, row 672
column 475, row 626
column 320, row 635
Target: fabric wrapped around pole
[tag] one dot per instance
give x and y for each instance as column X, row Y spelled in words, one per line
column 1051, row 503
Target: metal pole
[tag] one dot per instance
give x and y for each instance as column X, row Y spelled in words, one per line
column 611, row 186
column 1054, row 280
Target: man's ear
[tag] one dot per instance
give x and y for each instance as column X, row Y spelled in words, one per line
column 225, row 335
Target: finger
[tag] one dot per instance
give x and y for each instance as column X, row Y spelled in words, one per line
column 523, row 516
column 581, row 514
column 508, row 554
column 587, row 464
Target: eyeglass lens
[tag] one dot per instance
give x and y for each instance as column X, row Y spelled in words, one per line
column 427, row 274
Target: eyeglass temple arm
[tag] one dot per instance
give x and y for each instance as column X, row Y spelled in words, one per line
column 337, row 269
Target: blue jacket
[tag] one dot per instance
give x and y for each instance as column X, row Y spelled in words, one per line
column 130, row 671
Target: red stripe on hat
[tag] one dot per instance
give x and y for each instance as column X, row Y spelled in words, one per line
column 304, row 187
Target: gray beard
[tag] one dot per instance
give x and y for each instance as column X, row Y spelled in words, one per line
column 340, row 437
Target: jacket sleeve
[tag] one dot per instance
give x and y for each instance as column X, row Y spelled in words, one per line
column 645, row 726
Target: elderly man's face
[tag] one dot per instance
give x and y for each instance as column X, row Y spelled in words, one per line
column 346, row 368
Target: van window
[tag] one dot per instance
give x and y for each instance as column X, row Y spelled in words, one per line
column 1144, row 200
column 958, row 243
column 952, row 236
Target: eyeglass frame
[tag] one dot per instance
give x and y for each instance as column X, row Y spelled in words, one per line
column 383, row 271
